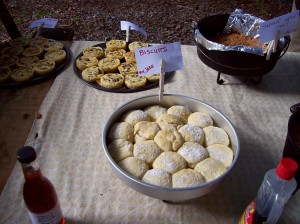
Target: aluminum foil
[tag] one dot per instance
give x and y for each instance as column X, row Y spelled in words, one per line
column 238, row 21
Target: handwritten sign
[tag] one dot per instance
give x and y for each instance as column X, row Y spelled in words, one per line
column 148, row 59
column 285, row 24
column 46, row 22
column 132, row 26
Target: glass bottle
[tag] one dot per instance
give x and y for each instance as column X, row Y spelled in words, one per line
column 39, row 194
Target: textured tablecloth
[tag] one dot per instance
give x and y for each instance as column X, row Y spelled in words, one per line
column 72, row 157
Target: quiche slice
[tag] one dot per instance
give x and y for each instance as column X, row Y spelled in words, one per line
column 58, row 56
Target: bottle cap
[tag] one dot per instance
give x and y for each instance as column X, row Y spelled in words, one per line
column 26, row 154
column 287, row 168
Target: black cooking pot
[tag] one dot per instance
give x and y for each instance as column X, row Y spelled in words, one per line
column 235, row 63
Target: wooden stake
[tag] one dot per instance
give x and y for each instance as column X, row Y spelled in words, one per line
column 127, row 34
column 161, row 80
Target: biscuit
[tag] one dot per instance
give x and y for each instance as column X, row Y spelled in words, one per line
column 116, row 53
column 126, row 68
column 120, row 149
column 193, row 153
column 133, row 82
column 19, row 42
column 27, row 61
column 192, row 133
column 158, row 177
column 136, row 44
column 167, row 126
column 134, row 166
column 187, row 178
column 169, row 140
column 215, row 135
column 33, row 51
column 145, row 130
column 170, row 119
column 4, row 74
column 135, row 116
column 84, row 62
column 44, row 67
column 12, row 51
column 111, row 81
column 130, row 56
column 8, row 61
column 116, row 44
column 154, row 111
column 210, row 168
column 58, row 56
column 109, row 65
column 153, row 78
column 221, row 153
column 39, row 41
column 200, row 119
column 93, row 52
column 181, row 112
column 147, row 151
column 121, row 130
column 54, row 46
column 91, row 74
column 171, row 162
column 22, row 74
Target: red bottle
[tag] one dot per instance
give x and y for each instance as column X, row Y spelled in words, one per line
column 38, row 192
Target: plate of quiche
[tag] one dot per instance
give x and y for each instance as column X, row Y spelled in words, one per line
column 24, row 61
column 111, row 66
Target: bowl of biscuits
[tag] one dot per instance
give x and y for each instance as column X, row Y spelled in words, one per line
column 176, row 149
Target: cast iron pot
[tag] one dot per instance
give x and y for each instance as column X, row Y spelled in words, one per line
column 235, row 63
column 167, row 193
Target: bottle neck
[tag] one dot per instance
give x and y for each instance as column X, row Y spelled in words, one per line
column 32, row 171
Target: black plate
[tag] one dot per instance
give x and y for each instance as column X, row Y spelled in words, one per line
column 38, row 79
column 120, row 90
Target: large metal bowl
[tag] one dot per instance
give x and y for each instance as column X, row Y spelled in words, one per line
column 166, row 193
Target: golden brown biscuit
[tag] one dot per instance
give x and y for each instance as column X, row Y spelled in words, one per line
column 116, row 53
column 145, row 130
column 109, row 65
column 33, row 51
column 126, row 68
column 136, row 44
column 153, row 78
column 130, row 56
column 22, row 74
column 27, row 61
column 39, row 41
column 84, row 62
column 111, row 81
column 116, row 44
column 135, row 81
column 8, row 61
column 169, row 119
column 91, row 74
column 93, row 52
column 19, row 42
column 171, row 162
column 58, row 56
column 54, row 46
column 12, row 51
column 44, row 67
column 181, row 112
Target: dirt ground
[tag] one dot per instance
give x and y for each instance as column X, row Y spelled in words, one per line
column 164, row 20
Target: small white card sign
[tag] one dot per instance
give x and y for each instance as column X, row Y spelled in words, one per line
column 285, row 24
column 132, row 26
column 46, row 22
column 148, row 59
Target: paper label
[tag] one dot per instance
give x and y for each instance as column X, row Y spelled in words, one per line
column 47, row 23
column 53, row 216
column 148, row 59
column 125, row 24
column 247, row 216
column 285, row 24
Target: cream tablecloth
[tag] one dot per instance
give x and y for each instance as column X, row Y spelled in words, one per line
column 72, row 157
